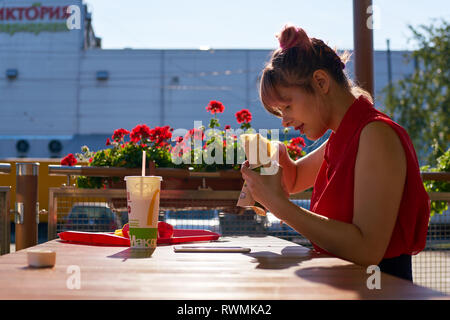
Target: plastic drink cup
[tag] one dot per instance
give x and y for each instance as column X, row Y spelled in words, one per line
column 143, row 194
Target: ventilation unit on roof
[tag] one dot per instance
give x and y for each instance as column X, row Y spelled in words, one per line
column 102, row 75
column 22, row 147
column 12, row 73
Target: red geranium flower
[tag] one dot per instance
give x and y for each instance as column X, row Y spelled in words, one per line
column 108, row 142
column 160, row 134
column 119, row 134
column 227, row 127
column 140, row 132
column 294, row 151
column 243, row 116
column 69, row 160
column 197, row 134
column 180, row 147
column 215, row 107
column 294, row 147
column 298, row 141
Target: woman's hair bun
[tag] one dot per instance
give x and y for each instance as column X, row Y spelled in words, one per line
column 291, row 36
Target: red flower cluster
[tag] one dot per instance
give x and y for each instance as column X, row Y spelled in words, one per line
column 295, row 146
column 298, row 141
column 159, row 134
column 215, row 107
column 119, row 134
column 294, row 151
column 69, row 160
column 243, row 116
column 140, row 132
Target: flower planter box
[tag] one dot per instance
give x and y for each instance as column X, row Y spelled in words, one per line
column 222, row 181
column 183, row 179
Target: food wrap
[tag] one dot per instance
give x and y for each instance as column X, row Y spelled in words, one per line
column 262, row 155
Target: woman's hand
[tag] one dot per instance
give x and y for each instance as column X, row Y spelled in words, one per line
column 289, row 172
column 265, row 189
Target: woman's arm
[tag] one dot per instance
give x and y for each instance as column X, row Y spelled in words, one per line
column 380, row 172
column 301, row 174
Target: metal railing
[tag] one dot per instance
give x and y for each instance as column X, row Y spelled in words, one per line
column 435, row 176
column 431, row 267
column 63, row 199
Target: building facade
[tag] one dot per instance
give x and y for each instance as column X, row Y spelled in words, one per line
column 60, row 90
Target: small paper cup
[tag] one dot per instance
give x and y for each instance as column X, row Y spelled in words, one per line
column 41, row 258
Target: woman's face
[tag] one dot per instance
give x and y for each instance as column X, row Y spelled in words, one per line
column 303, row 111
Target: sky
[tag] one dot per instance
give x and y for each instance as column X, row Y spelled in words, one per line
column 252, row 24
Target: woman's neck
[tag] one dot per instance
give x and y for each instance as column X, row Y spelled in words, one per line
column 340, row 102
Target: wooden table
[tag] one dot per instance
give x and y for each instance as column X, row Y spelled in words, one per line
column 274, row 269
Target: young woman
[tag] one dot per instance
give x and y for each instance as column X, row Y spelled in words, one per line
column 368, row 205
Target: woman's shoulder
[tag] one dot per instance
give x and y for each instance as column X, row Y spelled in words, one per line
column 379, row 130
column 381, row 141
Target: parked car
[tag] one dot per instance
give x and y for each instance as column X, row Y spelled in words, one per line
column 246, row 224
column 91, row 216
column 193, row 219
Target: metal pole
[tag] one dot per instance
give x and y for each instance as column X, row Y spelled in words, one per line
column 162, row 103
column 247, row 78
column 5, row 224
column 27, row 205
column 52, row 215
column 363, row 43
column 389, row 69
column 389, row 63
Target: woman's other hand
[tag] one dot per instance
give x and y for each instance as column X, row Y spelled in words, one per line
column 289, row 172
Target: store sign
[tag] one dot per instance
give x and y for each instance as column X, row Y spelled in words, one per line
column 36, row 19
column 33, row 13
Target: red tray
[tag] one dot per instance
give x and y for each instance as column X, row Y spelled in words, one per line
column 110, row 239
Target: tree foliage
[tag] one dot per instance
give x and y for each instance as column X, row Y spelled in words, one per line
column 420, row 101
column 443, row 165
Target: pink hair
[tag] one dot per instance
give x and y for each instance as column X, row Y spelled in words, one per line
column 291, row 36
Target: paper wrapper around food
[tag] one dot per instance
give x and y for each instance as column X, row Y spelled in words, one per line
column 259, row 146
column 258, row 150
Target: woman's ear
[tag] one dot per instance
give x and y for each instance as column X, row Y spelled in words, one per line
column 321, row 80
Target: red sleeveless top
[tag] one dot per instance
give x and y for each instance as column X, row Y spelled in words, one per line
column 333, row 189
